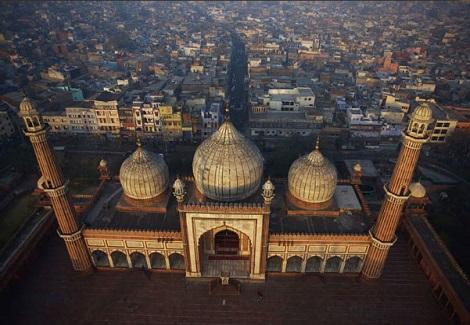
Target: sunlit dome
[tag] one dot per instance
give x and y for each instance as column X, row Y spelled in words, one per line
column 422, row 113
column 144, row 175
column 312, row 178
column 417, row 190
column 227, row 166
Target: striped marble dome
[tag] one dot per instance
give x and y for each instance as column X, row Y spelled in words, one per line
column 312, row 178
column 144, row 175
column 227, row 166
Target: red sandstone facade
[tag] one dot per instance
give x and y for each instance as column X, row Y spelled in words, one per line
column 53, row 184
column 396, row 194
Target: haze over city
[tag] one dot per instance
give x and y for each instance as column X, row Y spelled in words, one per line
column 248, row 162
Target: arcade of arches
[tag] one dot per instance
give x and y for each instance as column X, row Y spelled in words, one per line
column 228, row 251
column 138, row 260
column 314, row 264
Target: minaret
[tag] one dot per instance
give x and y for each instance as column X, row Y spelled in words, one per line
column 268, row 196
column 52, row 182
column 396, row 192
column 179, row 192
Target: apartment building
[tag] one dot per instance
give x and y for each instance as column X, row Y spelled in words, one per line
column 147, row 117
column 107, row 114
column 211, row 118
column 81, row 120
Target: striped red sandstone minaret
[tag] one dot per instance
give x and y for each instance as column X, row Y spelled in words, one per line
column 396, row 192
column 53, row 184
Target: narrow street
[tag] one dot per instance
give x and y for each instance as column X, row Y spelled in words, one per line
column 237, row 92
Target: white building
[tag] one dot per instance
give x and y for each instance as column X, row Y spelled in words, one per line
column 146, row 116
column 81, row 120
column 211, row 118
column 295, row 99
column 105, row 106
column 391, row 102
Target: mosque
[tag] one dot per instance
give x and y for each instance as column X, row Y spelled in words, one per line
column 228, row 217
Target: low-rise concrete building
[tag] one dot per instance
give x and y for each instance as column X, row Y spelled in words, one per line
column 289, row 99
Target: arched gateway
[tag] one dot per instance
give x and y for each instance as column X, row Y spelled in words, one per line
column 225, row 251
column 225, row 237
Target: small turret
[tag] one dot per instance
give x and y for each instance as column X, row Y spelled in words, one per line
column 418, row 200
column 179, row 190
column 103, row 169
column 29, row 113
column 356, row 173
column 419, row 122
column 268, row 192
column 417, row 190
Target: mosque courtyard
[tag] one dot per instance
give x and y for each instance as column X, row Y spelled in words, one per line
column 48, row 291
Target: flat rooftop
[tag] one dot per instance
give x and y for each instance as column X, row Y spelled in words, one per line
column 436, row 177
column 351, row 218
column 106, row 215
column 285, row 116
column 346, row 223
column 48, row 291
column 368, row 167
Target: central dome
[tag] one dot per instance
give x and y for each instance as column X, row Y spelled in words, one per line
column 227, row 166
column 144, row 175
column 312, row 178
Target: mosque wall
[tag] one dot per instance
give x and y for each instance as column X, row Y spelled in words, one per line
column 316, row 253
column 123, row 249
column 287, row 253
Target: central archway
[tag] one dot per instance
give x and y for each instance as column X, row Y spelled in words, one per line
column 225, row 250
column 226, row 242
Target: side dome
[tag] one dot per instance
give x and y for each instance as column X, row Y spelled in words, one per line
column 312, row 178
column 422, row 113
column 144, row 175
column 417, row 190
column 227, row 166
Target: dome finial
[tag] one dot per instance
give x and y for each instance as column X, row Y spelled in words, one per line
column 317, row 144
column 227, row 112
column 138, row 143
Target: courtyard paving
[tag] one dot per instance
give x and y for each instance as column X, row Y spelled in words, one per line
column 48, row 291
